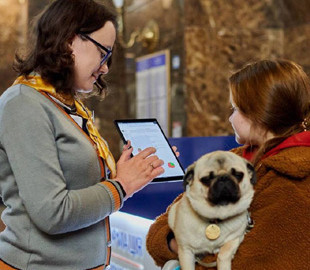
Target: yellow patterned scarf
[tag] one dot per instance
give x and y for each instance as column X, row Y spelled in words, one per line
column 37, row 83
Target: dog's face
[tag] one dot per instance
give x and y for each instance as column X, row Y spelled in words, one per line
column 220, row 180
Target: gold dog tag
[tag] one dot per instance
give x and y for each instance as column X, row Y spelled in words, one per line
column 213, row 232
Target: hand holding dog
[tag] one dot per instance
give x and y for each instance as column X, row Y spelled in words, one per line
column 173, row 245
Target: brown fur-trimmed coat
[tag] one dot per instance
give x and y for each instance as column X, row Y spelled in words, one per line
column 280, row 239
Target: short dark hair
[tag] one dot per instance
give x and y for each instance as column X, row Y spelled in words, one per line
column 54, row 29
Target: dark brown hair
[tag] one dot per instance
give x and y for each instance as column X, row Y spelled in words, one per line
column 50, row 54
column 274, row 95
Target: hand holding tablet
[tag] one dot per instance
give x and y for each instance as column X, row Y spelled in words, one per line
column 144, row 133
column 133, row 173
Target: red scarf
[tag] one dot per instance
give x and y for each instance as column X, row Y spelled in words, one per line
column 299, row 139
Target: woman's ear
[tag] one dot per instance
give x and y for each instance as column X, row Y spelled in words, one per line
column 74, row 42
column 189, row 175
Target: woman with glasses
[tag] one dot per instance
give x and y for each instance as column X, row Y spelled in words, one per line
column 58, row 180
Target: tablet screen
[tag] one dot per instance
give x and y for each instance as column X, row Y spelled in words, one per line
column 145, row 133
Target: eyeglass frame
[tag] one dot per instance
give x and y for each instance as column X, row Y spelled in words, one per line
column 108, row 51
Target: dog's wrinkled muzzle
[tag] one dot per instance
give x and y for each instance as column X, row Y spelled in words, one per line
column 224, row 190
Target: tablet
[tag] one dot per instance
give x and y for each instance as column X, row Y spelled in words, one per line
column 145, row 133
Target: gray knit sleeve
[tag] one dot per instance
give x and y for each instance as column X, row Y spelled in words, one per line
column 27, row 135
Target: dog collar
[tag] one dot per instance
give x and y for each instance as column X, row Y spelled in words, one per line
column 249, row 219
column 213, row 231
column 215, row 221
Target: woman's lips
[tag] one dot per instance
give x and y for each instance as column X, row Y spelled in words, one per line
column 94, row 78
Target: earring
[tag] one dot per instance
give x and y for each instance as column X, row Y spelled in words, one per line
column 305, row 124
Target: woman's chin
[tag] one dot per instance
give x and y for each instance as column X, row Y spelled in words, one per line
column 239, row 140
column 86, row 88
column 85, row 91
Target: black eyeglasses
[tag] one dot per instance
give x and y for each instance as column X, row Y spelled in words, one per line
column 105, row 57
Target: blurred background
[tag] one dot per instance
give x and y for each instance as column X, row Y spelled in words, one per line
column 204, row 42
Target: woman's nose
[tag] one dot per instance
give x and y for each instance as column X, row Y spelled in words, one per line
column 104, row 69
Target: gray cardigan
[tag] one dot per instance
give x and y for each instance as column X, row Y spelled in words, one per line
column 50, row 181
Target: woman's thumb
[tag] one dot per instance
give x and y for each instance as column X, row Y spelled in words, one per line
column 126, row 154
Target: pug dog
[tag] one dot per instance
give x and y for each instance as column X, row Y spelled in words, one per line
column 212, row 217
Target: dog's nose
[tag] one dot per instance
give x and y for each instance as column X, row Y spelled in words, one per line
column 224, row 191
column 223, row 179
column 225, row 184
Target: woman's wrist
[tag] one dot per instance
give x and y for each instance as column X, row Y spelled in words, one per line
column 122, row 188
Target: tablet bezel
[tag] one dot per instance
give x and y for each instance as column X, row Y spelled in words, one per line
column 148, row 120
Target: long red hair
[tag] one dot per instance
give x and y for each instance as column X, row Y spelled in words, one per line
column 274, row 95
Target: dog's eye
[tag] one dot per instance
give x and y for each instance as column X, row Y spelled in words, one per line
column 206, row 180
column 237, row 175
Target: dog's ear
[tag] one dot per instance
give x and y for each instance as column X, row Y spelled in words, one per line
column 189, row 175
column 252, row 173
